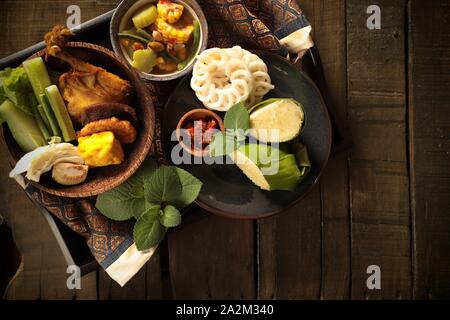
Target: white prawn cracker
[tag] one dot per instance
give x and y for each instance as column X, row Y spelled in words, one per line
column 223, row 77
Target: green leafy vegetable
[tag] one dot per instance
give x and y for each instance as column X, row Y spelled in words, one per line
column 237, row 123
column 17, row 88
column 117, row 204
column 148, row 231
column 154, row 197
column 237, row 118
column 171, row 217
column 164, row 186
column 190, row 188
column 138, row 179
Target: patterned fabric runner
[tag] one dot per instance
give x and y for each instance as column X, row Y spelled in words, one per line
column 253, row 24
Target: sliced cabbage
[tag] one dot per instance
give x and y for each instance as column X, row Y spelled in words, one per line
column 42, row 159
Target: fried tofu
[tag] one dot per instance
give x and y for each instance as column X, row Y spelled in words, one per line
column 123, row 130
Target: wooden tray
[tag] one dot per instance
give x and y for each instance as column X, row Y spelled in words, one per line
column 73, row 246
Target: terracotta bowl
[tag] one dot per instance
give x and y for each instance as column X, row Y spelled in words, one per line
column 99, row 180
column 125, row 11
column 190, row 117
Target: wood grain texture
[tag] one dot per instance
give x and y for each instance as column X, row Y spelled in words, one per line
column 290, row 252
column 429, row 128
column 213, row 259
column 379, row 182
column 329, row 21
column 314, row 236
column 25, row 22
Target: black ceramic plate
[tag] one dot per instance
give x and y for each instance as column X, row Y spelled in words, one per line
column 226, row 190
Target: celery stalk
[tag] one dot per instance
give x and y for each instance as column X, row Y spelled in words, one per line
column 59, row 109
column 50, row 116
column 38, row 75
column 22, row 126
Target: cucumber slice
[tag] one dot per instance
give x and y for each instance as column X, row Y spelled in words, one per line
column 144, row 60
column 50, row 116
column 40, row 110
column 145, row 18
column 38, row 75
column 40, row 123
column 280, row 120
column 23, row 127
column 62, row 116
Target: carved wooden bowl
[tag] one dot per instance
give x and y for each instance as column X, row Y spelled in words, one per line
column 99, row 180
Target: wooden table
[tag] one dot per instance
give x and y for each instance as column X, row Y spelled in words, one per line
column 385, row 202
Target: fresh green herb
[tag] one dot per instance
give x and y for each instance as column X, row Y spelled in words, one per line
column 171, row 217
column 237, row 118
column 164, row 186
column 237, row 123
column 148, row 231
column 153, row 196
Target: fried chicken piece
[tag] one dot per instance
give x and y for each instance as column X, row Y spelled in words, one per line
column 85, row 84
column 107, row 110
column 122, row 129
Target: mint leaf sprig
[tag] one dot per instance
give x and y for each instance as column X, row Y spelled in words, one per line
column 236, row 123
column 154, row 197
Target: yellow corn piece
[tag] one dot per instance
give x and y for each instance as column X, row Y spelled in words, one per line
column 169, row 11
column 171, row 33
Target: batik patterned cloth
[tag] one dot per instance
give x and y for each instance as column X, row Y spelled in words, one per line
column 273, row 25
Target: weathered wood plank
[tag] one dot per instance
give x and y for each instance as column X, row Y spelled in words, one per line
column 429, row 128
column 379, row 182
column 290, row 252
column 328, row 19
column 213, row 259
column 304, row 252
